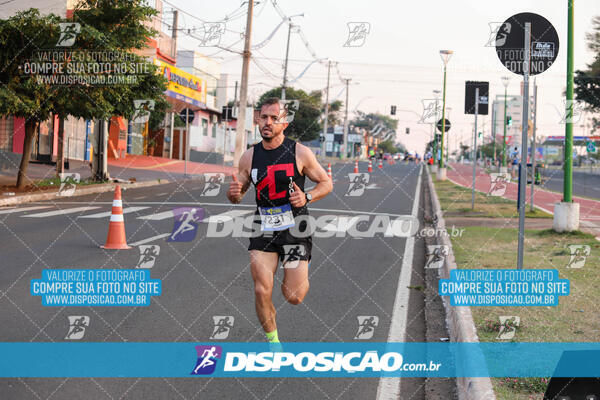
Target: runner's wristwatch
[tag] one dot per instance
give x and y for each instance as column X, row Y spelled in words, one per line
column 308, row 197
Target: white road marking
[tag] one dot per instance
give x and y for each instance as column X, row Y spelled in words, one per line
column 158, row 216
column 60, row 212
column 226, row 215
column 108, row 213
column 213, row 218
column 14, row 210
column 389, row 388
column 150, row 239
column 229, row 205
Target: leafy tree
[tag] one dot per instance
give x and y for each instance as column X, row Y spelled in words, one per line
column 370, row 121
column 388, row 146
column 335, row 116
column 110, row 26
column 587, row 82
column 306, row 125
column 20, row 94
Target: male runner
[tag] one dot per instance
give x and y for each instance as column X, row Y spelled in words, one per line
column 277, row 166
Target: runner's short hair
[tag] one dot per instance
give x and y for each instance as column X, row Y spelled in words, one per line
column 274, row 100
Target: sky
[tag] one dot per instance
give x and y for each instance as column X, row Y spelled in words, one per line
column 399, row 62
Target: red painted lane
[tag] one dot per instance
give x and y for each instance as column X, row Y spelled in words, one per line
column 462, row 175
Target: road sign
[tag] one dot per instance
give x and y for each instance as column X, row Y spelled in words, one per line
column 510, row 41
column 484, row 88
column 393, row 110
column 439, row 125
column 591, row 148
column 189, row 115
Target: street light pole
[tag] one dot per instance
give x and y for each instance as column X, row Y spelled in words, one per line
column 345, row 151
column 505, row 81
column 325, row 123
column 566, row 213
column 441, row 175
column 436, row 94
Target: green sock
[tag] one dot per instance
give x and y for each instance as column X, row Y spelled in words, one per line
column 272, row 336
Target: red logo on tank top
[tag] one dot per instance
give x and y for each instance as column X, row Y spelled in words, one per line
column 269, row 180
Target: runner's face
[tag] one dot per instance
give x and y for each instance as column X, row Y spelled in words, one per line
column 268, row 122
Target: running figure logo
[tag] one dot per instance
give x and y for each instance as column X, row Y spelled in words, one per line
column 68, row 34
column 68, row 183
column 212, row 183
column 498, row 33
column 498, row 183
column 212, row 33
column 357, row 34
column 436, row 254
column 77, row 325
column 141, row 113
column 431, row 109
column 579, row 254
column 358, row 184
column 577, row 106
column 207, row 359
column 508, row 326
column 366, row 326
column 289, row 108
column 223, row 324
column 148, row 254
column 186, row 223
column 292, row 254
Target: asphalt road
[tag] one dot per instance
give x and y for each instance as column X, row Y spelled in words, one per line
column 209, row 276
column 584, row 183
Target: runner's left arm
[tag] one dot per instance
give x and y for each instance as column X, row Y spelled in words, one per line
column 315, row 172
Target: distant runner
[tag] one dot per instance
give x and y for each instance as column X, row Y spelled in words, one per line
column 277, row 166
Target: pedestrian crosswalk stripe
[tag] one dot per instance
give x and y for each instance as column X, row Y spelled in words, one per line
column 60, row 212
column 108, row 213
column 20, row 209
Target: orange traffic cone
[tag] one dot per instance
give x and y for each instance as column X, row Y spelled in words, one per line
column 380, row 164
column 356, row 167
column 329, row 171
column 116, row 227
column 370, row 169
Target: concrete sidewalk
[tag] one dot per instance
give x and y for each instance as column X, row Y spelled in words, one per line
column 141, row 168
column 589, row 212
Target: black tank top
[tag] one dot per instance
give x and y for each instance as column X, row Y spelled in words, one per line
column 271, row 172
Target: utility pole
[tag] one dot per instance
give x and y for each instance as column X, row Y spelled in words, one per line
column 345, row 152
column 523, row 166
column 285, row 65
column 323, row 144
column 174, row 31
column 533, row 141
column 505, row 81
column 240, row 137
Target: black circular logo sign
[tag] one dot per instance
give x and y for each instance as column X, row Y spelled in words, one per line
column 446, row 127
column 510, row 43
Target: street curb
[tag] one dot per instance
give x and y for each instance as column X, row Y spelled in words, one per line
column 82, row 191
column 458, row 319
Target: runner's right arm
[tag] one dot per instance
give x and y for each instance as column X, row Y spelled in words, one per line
column 241, row 180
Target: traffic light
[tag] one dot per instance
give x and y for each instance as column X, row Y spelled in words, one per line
column 480, row 135
column 393, row 110
column 407, row 130
column 509, row 121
